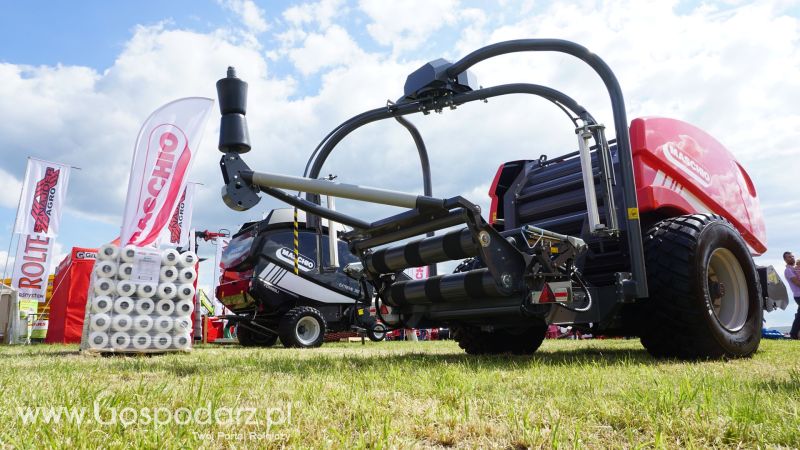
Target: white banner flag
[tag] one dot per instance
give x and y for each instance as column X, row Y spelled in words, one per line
column 42, row 198
column 222, row 244
column 177, row 232
column 162, row 158
column 32, row 266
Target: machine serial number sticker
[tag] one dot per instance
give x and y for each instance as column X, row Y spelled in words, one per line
column 633, row 213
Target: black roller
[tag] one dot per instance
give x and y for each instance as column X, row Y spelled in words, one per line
column 454, row 245
column 475, row 284
column 233, row 133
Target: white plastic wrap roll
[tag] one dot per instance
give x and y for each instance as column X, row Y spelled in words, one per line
column 98, row 339
column 142, row 324
column 183, row 325
column 126, row 288
column 128, row 253
column 170, row 257
column 120, row 340
column 181, row 340
column 187, row 275
column 184, row 308
column 121, row 322
column 144, row 306
column 142, row 341
column 99, row 322
column 146, row 290
column 167, row 290
column 165, row 307
column 185, row 291
column 109, row 252
column 123, row 305
column 187, row 259
column 125, row 270
column 168, row 274
column 163, row 324
column 162, row 341
column 104, row 286
column 101, row 304
column 105, row 269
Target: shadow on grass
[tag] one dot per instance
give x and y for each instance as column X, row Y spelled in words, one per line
column 258, row 364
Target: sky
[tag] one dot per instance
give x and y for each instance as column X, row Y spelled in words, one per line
column 77, row 79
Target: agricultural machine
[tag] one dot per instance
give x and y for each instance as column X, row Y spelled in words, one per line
column 272, row 291
column 650, row 234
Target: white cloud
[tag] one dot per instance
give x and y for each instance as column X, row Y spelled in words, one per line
column 408, row 24
column 322, row 13
column 10, row 189
column 249, row 13
column 319, row 51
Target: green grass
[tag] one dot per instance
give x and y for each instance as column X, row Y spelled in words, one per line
column 400, row 395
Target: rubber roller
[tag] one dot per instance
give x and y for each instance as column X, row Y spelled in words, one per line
column 475, row 284
column 454, row 245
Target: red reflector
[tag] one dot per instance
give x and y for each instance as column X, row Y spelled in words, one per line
column 384, row 309
column 547, row 295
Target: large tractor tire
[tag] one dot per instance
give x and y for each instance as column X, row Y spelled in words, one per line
column 705, row 298
column 524, row 341
column 302, row 327
column 251, row 338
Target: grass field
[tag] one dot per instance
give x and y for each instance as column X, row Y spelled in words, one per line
column 401, row 395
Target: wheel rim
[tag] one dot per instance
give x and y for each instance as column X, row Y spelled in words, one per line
column 379, row 332
column 307, row 330
column 727, row 289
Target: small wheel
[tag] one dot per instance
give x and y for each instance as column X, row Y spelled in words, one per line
column 377, row 333
column 705, row 297
column 302, row 327
column 250, row 338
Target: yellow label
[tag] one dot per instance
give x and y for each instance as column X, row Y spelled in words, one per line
column 553, row 249
column 360, row 312
column 633, row 213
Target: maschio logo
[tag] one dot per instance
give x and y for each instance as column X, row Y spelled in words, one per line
column 43, row 199
column 303, row 263
column 687, row 164
column 160, row 187
column 176, row 222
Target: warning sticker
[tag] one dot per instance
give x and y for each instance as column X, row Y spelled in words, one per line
column 146, row 266
column 633, row 213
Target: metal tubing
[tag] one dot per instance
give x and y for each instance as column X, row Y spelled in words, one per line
column 457, row 244
column 313, row 208
column 452, row 219
column 588, row 179
column 634, row 231
column 351, row 191
column 333, row 242
column 414, row 107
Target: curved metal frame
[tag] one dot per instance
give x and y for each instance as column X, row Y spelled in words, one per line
column 636, row 286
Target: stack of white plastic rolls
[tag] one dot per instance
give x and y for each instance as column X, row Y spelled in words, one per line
column 125, row 315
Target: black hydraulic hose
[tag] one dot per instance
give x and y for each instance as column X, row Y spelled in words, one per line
column 634, row 233
column 427, row 185
column 402, row 109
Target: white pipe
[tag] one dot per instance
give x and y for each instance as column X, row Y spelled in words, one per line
column 323, row 187
column 333, row 242
column 588, row 179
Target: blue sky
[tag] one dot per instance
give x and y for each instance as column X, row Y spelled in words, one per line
column 78, row 78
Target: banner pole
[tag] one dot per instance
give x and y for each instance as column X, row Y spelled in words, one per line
column 16, row 217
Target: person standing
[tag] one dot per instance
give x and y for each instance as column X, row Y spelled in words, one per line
column 794, row 284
